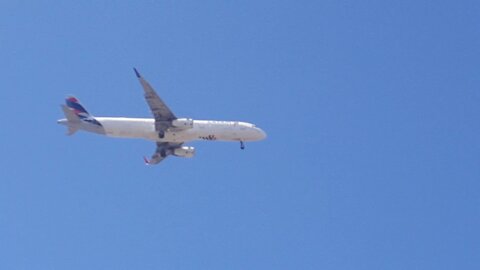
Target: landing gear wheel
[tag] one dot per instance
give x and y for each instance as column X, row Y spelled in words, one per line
column 242, row 145
column 161, row 134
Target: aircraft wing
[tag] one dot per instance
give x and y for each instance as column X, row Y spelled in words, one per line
column 162, row 114
column 164, row 149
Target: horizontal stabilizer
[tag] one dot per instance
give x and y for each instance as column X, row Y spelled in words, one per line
column 72, row 122
column 71, row 130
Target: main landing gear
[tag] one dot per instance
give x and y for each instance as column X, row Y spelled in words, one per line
column 242, row 145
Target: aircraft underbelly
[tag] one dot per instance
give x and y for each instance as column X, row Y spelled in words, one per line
column 129, row 129
column 203, row 133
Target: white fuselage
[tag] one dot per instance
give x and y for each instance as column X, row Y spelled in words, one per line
column 144, row 128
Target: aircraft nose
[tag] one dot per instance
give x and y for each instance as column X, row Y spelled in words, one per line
column 262, row 133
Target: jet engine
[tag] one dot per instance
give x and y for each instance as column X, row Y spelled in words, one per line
column 183, row 123
column 184, row 151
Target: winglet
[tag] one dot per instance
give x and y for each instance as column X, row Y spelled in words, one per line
column 147, row 162
column 136, row 73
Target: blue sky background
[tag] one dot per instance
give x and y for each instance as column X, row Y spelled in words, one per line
column 371, row 107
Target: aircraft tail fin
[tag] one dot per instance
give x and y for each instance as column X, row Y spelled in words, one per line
column 77, row 117
column 74, row 104
column 79, row 112
column 70, row 115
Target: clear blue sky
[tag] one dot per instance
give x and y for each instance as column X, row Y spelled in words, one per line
column 371, row 107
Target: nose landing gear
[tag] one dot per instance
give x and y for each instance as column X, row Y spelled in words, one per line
column 242, row 145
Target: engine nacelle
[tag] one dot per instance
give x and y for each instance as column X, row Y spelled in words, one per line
column 184, row 151
column 183, row 123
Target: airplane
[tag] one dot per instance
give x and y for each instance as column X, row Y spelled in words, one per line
column 165, row 129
